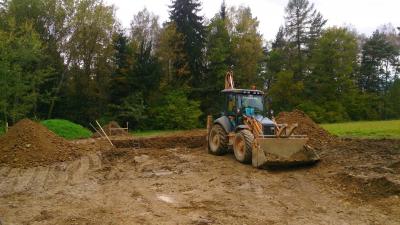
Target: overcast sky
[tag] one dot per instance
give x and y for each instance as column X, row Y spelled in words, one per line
column 364, row 15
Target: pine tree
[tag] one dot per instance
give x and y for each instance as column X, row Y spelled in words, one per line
column 184, row 13
column 222, row 12
column 279, row 41
column 119, row 86
column 379, row 58
column 303, row 25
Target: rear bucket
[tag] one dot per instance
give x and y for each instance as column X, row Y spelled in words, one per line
column 291, row 151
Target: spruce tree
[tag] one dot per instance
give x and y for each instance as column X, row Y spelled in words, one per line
column 184, row 13
column 119, row 87
column 222, row 12
column 303, row 25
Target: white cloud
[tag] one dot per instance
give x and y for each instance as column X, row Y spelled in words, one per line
column 364, row 15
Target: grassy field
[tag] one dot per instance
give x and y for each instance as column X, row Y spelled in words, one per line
column 367, row 129
column 67, row 129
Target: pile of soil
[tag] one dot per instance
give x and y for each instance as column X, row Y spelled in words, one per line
column 108, row 129
column 189, row 139
column 30, row 144
column 317, row 135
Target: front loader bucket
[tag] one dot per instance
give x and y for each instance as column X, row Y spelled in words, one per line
column 282, row 152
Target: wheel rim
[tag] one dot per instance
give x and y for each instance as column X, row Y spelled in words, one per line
column 214, row 140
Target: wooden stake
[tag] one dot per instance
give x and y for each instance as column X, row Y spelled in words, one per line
column 6, row 127
column 104, row 133
column 96, row 130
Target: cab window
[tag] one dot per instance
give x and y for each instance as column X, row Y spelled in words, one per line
column 231, row 104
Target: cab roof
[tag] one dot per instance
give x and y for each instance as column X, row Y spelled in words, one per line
column 243, row 91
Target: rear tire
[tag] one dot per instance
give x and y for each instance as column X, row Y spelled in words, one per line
column 217, row 140
column 243, row 145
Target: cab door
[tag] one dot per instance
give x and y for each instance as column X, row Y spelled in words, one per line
column 231, row 109
column 231, row 105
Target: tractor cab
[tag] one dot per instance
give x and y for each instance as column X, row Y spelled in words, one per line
column 245, row 102
column 242, row 101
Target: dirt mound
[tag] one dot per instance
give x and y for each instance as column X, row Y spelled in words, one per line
column 112, row 129
column 30, row 144
column 189, row 139
column 173, row 142
column 318, row 136
column 369, row 186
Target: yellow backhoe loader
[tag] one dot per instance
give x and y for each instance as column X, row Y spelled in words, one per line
column 254, row 138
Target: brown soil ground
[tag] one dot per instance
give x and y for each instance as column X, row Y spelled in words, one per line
column 357, row 182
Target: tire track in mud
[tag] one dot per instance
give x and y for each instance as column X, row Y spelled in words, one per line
column 9, row 182
column 39, row 181
column 95, row 160
column 24, row 181
column 57, row 176
column 78, row 175
column 4, row 171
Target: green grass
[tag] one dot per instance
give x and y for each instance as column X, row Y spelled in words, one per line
column 67, row 129
column 153, row 133
column 367, row 129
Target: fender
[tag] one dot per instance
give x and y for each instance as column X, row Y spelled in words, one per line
column 225, row 123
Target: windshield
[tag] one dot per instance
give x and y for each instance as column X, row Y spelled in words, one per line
column 251, row 101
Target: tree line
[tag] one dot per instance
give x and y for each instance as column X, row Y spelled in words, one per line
column 72, row 59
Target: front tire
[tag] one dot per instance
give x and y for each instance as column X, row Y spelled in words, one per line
column 243, row 145
column 217, row 140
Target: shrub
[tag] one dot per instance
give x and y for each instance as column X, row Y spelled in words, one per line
column 176, row 111
column 131, row 110
column 67, row 129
